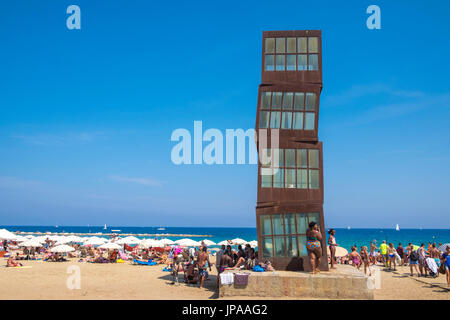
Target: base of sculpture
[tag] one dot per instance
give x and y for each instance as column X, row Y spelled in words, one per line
column 345, row 282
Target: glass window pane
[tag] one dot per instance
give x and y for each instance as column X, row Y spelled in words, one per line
column 302, row 179
column 265, row 100
column 280, row 62
column 298, row 121
column 287, row 120
column 269, row 62
column 309, row 120
column 275, row 120
column 281, row 45
column 302, row 223
column 280, row 157
column 313, row 158
column 266, row 179
column 314, row 216
column 291, row 45
column 267, row 247
column 314, row 179
column 301, row 43
column 291, row 245
column 277, row 220
column 266, row 159
column 289, row 223
column 278, row 181
column 302, row 246
column 302, row 63
column 313, row 46
column 290, row 178
column 288, row 98
column 310, row 101
column 299, row 101
column 291, row 62
column 313, row 62
column 302, row 158
column 276, row 100
column 290, row 158
column 270, row 45
column 264, row 120
column 279, row 247
column 265, row 226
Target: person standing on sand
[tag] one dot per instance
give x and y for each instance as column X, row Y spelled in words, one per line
column 313, row 239
column 219, row 257
column 391, row 252
column 446, row 262
column 355, row 257
column 384, row 253
column 372, row 254
column 203, row 263
column 436, row 255
column 401, row 253
column 365, row 259
column 413, row 259
column 422, row 260
column 332, row 245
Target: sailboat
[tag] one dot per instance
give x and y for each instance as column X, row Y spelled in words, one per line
column 104, row 228
column 397, row 228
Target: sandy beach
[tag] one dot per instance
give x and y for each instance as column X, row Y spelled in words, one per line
column 47, row 280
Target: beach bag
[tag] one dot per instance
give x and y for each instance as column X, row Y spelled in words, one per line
column 414, row 256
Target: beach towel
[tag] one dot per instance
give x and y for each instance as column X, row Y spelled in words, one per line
column 432, row 265
column 241, row 278
column 167, row 269
column 258, row 268
column 145, row 263
column 226, row 278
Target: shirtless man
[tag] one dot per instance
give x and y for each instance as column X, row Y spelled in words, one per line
column 203, row 263
column 436, row 255
column 225, row 263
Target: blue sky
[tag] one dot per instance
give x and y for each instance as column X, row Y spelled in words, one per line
column 86, row 115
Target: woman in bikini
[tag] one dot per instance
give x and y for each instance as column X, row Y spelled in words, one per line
column 313, row 239
column 391, row 252
column 355, row 257
column 372, row 254
column 332, row 245
column 365, row 259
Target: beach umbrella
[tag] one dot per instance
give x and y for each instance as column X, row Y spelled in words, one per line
column 147, row 243
column 238, row 241
column 340, row 252
column 187, row 242
column 253, row 243
column 223, row 243
column 7, row 235
column 208, row 242
column 443, row 248
column 62, row 248
column 110, row 245
column 95, row 241
column 167, row 241
column 31, row 243
column 20, row 239
column 74, row 239
column 129, row 240
column 56, row 238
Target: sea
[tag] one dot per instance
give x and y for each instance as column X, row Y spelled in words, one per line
column 344, row 237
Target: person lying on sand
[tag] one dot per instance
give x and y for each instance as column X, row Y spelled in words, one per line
column 12, row 263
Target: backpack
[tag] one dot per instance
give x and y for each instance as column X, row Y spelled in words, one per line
column 414, row 256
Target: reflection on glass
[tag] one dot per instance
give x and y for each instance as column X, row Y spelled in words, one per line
column 276, row 100
column 313, row 46
column 265, row 100
column 291, row 44
column 302, row 246
column 279, row 247
column 266, row 180
column 277, row 220
column 290, row 158
column 299, row 101
column 298, row 121
column 265, row 224
column 270, row 45
column 291, row 243
column 302, row 223
column 313, row 158
column 264, row 120
column 314, row 179
column 302, row 63
column 314, row 216
column 301, row 43
column 287, row 120
column 289, row 223
column 291, row 62
column 278, row 176
column 302, row 179
column 269, row 60
column 287, row 100
column 302, row 158
column 275, row 120
column 310, row 101
column 309, row 120
column 267, row 247
column 313, row 62
column 281, row 45
column 290, row 178
column 280, row 62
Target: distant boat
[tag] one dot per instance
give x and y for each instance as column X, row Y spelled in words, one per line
column 161, row 229
column 104, row 228
column 116, row 230
column 397, row 228
column 56, row 226
column 348, row 228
